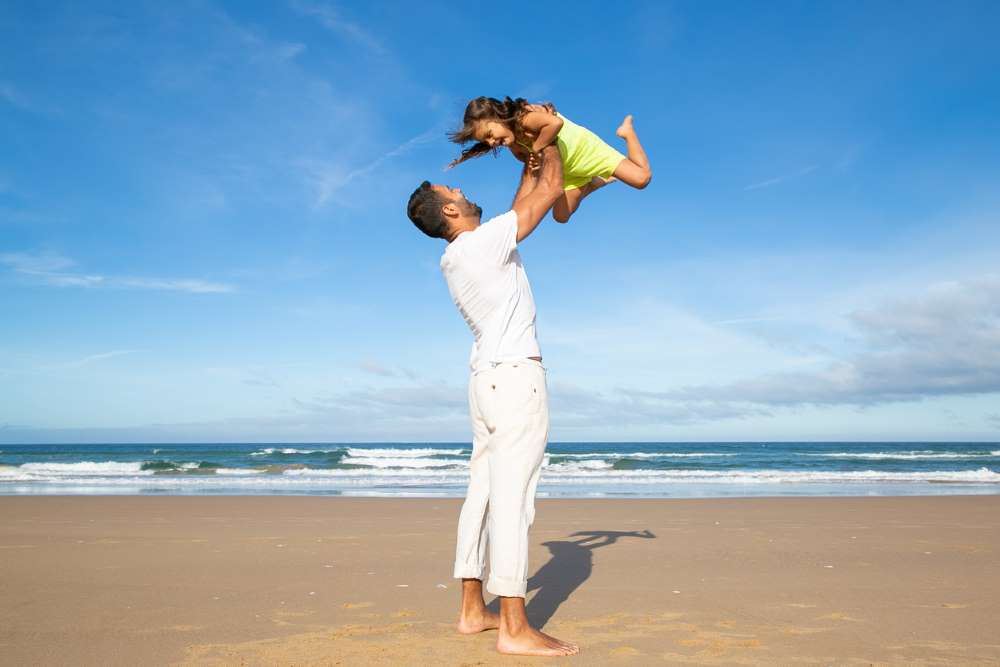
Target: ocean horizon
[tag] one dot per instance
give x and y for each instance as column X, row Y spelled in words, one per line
column 570, row 469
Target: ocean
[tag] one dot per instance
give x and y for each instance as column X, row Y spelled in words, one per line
column 570, row 470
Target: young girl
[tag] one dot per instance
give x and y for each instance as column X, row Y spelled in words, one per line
column 588, row 162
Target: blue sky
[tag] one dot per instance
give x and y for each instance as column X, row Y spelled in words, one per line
column 203, row 232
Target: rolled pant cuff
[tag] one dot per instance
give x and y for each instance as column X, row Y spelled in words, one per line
column 509, row 588
column 464, row 571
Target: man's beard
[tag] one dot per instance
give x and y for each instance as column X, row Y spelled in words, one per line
column 473, row 208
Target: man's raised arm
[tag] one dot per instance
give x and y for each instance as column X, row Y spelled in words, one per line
column 538, row 191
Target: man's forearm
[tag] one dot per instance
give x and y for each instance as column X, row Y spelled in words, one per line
column 551, row 176
column 548, row 176
column 528, row 182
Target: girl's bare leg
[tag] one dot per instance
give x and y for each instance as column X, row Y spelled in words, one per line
column 633, row 170
column 566, row 205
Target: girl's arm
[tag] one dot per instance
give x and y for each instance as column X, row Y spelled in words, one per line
column 545, row 124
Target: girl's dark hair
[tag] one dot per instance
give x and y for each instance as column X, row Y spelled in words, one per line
column 508, row 113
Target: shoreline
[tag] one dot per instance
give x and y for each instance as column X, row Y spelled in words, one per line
column 569, row 470
column 814, row 490
column 285, row 579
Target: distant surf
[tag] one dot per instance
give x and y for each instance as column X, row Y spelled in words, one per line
column 569, row 469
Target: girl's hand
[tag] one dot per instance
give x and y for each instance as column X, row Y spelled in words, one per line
column 534, row 162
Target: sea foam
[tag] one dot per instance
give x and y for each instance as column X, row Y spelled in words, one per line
column 87, row 468
column 400, row 452
column 928, row 455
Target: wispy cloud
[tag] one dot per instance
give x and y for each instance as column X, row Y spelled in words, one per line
column 51, row 269
column 258, row 48
column 781, row 179
column 294, row 268
column 328, row 178
column 268, row 377
column 848, row 158
column 378, row 368
column 580, row 408
column 18, row 100
column 386, row 404
column 170, row 284
column 331, row 19
column 261, row 379
column 751, row 320
column 262, row 109
column 281, row 51
column 413, row 412
column 375, row 368
column 943, row 343
column 35, row 264
column 85, row 361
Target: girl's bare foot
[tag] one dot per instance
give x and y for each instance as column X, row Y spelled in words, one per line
column 625, row 129
column 472, row 623
column 529, row 641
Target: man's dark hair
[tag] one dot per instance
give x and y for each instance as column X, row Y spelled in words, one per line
column 424, row 209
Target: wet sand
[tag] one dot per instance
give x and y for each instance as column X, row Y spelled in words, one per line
column 143, row 580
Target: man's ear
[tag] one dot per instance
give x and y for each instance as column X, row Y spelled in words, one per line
column 451, row 210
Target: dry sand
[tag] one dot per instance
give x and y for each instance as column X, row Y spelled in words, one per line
column 340, row 581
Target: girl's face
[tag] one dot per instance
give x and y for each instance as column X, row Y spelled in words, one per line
column 493, row 133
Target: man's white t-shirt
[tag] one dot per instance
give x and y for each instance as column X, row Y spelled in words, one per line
column 490, row 287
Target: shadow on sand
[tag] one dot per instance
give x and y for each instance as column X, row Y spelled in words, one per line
column 571, row 563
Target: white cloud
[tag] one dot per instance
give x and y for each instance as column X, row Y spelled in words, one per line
column 333, row 20
column 944, row 342
column 49, row 269
column 750, row 320
column 18, row 100
column 580, row 409
column 781, row 179
column 85, row 361
column 172, row 284
column 46, row 262
column 327, row 178
column 654, row 343
column 376, row 368
column 280, row 51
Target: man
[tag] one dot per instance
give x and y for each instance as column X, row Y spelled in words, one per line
column 507, row 395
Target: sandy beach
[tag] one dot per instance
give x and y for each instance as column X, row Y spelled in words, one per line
column 140, row 580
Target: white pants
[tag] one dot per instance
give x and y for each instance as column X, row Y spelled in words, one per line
column 510, row 426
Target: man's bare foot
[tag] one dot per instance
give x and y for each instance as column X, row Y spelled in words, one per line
column 529, row 641
column 625, row 128
column 472, row 623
